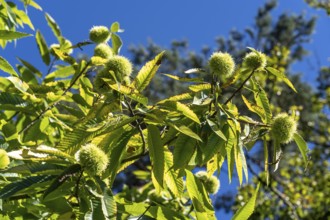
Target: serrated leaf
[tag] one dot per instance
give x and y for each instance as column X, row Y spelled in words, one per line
column 147, row 72
column 12, row 35
column 183, row 79
column 213, row 146
column 156, row 152
column 198, row 194
column 130, row 92
column 230, row 145
column 13, row 188
column 184, row 96
column 115, row 155
column 261, row 99
column 43, row 48
column 55, row 28
column 67, row 173
column 200, row 87
column 182, row 109
column 183, row 150
column 246, row 211
column 108, row 204
column 216, row 129
column 172, row 180
column 6, row 67
column 116, row 43
column 254, row 108
column 302, row 145
column 186, row 130
column 282, row 76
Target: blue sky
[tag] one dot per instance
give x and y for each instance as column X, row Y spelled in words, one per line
column 163, row 21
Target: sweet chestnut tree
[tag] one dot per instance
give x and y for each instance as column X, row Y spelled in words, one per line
column 67, row 134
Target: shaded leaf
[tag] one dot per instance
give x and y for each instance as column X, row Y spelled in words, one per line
column 12, row 35
column 302, row 145
column 43, row 48
column 156, row 152
column 183, row 150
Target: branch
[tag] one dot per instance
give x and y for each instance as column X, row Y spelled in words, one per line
column 54, row 104
column 145, row 211
column 239, row 88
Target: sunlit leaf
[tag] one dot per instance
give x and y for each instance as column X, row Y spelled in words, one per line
column 281, row 76
column 147, row 72
column 6, row 67
column 246, row 211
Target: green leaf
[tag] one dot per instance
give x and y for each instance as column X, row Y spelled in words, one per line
column 302, row 145
column 254, row 108
column 182, row 109
column 184, row 96
column 130, row 92
column 183, row 150
column 43, row 48
column 216, row 129
column 195, row 70
column 67, row 173
column 156, row 151
column 12, row 35
column 213, row 146
column 6, row 67
column 246, row 211
column 147, row 72
column 230, row 145
column 200, row 87
column 183, row 79
column 108, row 204
column 115, row 27
column 30, row 67
column 198, row 194
column 282, row 76
column 172, row 179
column 116, row 43
column 13, row 188
column 55, row 28
column 261, row 98
column 116, row 152
column 186, row 130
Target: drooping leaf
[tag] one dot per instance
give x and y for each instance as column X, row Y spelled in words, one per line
column 43, row 48
column 277, row 154
column 282, row 76
column 183, row 150
column 13, row 188
column 172, row 179
column 200, row 87
column 28, row 65
column 261, row 99
column 135, row 95
column 302, row 145
column 147, row 72
column 198, row 194
column 67, row 173
column 116, row 43
column 182, row 109
column 187, row 131
column 246, row 211
column 156, row 152
column 183, row 79
column 12, row 35
column 55, row 28
column 6, row 67
column 254, row 108
column 213, row 146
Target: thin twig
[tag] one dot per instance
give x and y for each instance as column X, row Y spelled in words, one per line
column 54, row 104
column 145, row 211
column 239, row 88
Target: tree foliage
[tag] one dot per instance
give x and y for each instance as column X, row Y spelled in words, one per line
column 71, row 133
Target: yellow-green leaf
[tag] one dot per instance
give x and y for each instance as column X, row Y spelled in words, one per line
column 12, row 35
column 43, row 48
column 6, row 67
column 246, row 211
column 302, row 145
column 282, row 76
column 147, row 72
